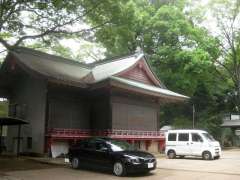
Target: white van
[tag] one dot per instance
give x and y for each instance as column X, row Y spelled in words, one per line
column 191, row 143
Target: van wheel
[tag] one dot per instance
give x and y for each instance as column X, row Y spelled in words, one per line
column 171, row 154
column 206, row 155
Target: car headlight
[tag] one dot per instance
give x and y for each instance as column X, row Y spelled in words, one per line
column 132, row 159
column 135, row 161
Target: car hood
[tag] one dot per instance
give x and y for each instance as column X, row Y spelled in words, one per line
column 139, row 154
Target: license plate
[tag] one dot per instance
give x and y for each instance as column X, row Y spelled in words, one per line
column 66, row 160
column 150, row 165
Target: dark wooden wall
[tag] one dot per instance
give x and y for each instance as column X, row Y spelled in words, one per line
column 67, row 108
column 68, row 113
column 101, row 113
column 78, row 109
column 134, row 114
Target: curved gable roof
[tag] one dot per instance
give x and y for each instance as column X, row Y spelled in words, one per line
column 108, row 69
column 66, row 71
column 52, row 67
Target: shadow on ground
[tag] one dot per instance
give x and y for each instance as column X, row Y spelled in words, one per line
column 109, row 172
column 16, row 164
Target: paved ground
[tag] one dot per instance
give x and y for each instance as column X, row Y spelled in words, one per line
column 70, row 174
column 227, row 168
column 229, row 163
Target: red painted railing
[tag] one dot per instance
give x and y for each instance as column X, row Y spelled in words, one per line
column 114, row 133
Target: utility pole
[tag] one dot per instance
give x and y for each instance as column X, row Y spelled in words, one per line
column 193, row 116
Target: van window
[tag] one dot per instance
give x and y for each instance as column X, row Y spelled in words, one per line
column 196, row 137
column 208, row 136
column 183, row 137
column 172, row 137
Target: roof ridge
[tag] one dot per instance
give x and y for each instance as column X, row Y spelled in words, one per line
column 72, row 61
column 112, row 59
column 51, row 56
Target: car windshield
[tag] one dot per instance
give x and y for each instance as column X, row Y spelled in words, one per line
column 120, row 146
column 208, row 137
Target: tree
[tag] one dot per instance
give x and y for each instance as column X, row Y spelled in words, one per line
column 181, row 52
column 227, row 17
column 22, row 21
column 170, row 40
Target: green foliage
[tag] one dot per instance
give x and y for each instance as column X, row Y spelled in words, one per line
column 3, row 108
column 227, row 15
column 181, row 53
column 55, row 47
column 23, row 21
column 182, row 123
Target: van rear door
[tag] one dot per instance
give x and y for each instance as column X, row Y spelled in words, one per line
column 183, row 147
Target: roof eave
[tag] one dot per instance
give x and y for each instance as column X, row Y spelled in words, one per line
column 44, row 76
column 147, row 92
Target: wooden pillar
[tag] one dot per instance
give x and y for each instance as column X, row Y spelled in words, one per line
column 132, row 141
column 18, row 139
column 1, row 135
column 161, row 145
column 148, row 143
column 49, row 143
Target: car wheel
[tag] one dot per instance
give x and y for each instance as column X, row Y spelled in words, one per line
column 171, row 154
column 206, row 155
column 75, row 163
column 181, row 157
column 119, row 169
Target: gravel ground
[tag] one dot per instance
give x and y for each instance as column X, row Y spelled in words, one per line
column 70, row 174
column 227, row 168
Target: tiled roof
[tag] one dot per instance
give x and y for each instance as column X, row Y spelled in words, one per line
column 157, row 91
column 52, row 67
column 76, row 73
column 105, row 70
column 64, row 69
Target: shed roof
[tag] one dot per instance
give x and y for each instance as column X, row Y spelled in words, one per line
column 231, row 123
column 11, row 121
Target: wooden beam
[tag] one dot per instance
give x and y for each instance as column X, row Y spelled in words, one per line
column 18, row 140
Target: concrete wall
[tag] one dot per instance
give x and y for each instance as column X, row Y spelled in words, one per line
column 30, row 94
column 153, row 146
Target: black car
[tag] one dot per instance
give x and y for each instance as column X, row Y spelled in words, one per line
column 118, row 156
